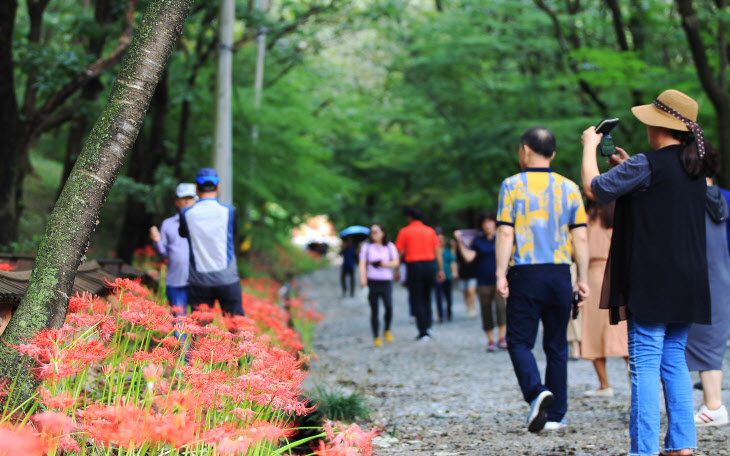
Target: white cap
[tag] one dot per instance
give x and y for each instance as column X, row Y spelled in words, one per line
column 185, row 190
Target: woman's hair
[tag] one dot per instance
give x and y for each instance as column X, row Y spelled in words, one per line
column 601, row 212
column 485, row 215
column 693, row 165
column 385, row 233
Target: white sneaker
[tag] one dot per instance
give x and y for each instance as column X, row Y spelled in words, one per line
column 423, row 339
column 707, row 417
column 605, row 392
column 554, row 425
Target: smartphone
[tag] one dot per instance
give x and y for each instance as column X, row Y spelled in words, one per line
column 376, row 264
column 607, row 146
column 576, row 300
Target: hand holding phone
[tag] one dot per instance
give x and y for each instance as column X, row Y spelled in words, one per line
column 604, row 127
column 576, row 301
column 376, row 264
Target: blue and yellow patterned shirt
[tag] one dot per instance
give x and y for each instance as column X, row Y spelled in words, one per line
column 543, row 207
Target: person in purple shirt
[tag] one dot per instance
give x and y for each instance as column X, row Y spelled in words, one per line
column 170, row 246
column 378, row 258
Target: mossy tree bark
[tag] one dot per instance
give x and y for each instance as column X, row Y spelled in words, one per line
column 76, row 212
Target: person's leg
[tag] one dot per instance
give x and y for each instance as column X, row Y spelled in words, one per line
column 438, row 290
column 373, row 295
column 229, row 297
column 343, row 281
column 646, row 342
column 352, row 282
column 681, row 433
column 198, row 295
column 388, row 304
column 501, row 317
column 711, row 389
column 599, row 364
column 522, row 324
column 448, row 295
column 177, row 297
column 486, row 296
column 555, row 315
column 415, row 291
column 428, row 279
column 470, row 297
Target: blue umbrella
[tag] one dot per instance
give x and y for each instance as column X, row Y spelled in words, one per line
column 360, row 231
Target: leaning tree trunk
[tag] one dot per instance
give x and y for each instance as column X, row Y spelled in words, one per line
column 76, row 212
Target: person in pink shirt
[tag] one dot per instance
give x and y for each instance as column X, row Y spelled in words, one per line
column 378, row 258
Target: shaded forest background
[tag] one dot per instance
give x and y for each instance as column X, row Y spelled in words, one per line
column 368, row 105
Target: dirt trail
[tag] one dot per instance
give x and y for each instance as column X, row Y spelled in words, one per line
column 450, row 397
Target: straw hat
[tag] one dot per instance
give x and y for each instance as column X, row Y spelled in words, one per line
column 652, row 115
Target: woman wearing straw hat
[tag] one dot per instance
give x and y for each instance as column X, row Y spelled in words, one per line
column 656, row 276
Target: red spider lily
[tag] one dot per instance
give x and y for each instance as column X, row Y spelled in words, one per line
column 245, row 415
column 207, row 383
column 88, row 351
column 149, row 315
column 133, row 285
column 152, row 373
column 20, row 440
column 263, row 430
column 176, row 399
column 228, row 447
column 129, row 426
column 7, row 267
column 204, row 314
column 53, row 424
column 62, row 401
column 169, row 342
column 158, row 355
column 213, row 351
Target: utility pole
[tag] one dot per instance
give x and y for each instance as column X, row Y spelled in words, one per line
column 261, row 7
column 223, row 136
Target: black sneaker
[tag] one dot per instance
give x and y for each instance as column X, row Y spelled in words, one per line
column 538, row 411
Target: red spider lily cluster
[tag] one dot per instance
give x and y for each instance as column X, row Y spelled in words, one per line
column 6, row 267
column 115, row 380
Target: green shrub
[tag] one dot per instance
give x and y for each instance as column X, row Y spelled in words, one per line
column 338, row 405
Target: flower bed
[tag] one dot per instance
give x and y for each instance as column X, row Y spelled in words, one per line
column 125, row 377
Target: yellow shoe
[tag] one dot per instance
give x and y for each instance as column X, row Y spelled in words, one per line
column 378, row 342
column 388, row 336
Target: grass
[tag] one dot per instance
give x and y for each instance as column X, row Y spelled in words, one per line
column 338, row 405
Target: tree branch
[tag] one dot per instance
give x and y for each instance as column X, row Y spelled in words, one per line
column 91, row 72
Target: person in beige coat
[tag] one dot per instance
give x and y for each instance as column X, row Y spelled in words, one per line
column 601, row 340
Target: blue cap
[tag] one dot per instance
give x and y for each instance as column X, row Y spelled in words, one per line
column 207, row 175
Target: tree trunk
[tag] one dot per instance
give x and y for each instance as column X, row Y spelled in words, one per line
column 145, row 160
column 8, row 125
column 716, row 89
column 76, row 212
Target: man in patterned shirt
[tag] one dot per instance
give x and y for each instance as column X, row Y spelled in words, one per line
column 541, row 219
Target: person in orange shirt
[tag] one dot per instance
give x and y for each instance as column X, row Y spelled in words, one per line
column 419, row 246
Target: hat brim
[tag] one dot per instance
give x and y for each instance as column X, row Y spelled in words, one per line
column 207, row 180
column 651, row 115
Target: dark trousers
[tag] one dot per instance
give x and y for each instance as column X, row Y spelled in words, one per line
column 344, row 272
column 380, row 289
column 540, row 292
column 420, row 278
column 443, row 294
column 229, row 297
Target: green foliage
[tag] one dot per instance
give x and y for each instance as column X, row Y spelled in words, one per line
column 339, row 405
column 372, row 105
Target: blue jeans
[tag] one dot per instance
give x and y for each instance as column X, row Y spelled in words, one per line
column 178, row 299
column 540, row 292
column 656, row 351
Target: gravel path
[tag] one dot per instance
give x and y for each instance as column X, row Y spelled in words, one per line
column 450, row 397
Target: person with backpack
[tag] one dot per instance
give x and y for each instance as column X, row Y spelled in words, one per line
column 378, row 258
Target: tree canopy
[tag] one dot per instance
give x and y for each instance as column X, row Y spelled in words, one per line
column 367, row 105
